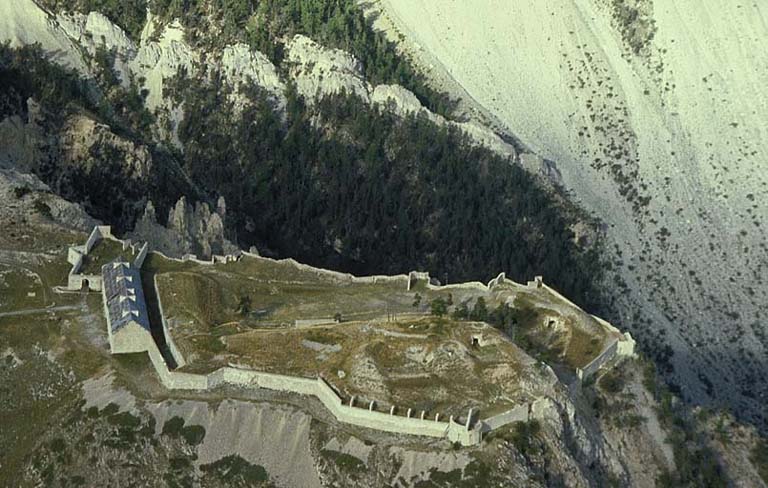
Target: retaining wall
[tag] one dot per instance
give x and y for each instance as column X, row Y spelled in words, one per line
column 174, row 380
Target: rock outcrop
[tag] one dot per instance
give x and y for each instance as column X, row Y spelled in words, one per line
column 319, row 72
column 656, row 119
column 191, row 229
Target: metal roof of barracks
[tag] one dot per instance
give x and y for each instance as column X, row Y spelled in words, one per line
column 125, row 298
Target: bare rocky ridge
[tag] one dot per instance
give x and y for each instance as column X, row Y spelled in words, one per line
column 190, row 229
column 651, row 112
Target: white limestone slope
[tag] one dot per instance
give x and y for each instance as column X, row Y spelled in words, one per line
column 319, row 71
column 681, row 129
column 23, row 23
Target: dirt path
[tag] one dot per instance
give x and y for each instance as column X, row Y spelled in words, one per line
column 33, row 311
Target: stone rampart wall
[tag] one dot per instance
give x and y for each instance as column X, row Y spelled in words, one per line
column 516, row 414
column 335, row 275
column 257, row 379
column 141, row 256
column 606, row 355
column 377, row 420
column 311, row 322
column 322, row 391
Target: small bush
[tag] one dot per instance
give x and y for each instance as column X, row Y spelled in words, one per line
column 193, row 434
column 42, row 208
column 344, row 461
column 20, row 191
column 613, row 381
column 172, row 427
column 524, row 437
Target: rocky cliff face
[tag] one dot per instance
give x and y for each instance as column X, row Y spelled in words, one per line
column 190, row 229
column 649, row 111
column 319, row 72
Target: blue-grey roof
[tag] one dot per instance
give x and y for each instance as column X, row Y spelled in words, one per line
column 125, row 298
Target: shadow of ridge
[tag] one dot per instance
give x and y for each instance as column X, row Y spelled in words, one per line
column 155, row 318
column 745, row 396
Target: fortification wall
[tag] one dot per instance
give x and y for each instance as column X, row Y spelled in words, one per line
column 177, row 356
column 138, row 261
column 174, row 380
column 516, row 414
column 377, row 420
column 335, row 275
column 75, row 253
column 93, row 238
column 626, row 346
column 74, row 281
column 131, row 338
column 311, row 322
column 362, row 417
column 270, row 381
column 606, row 355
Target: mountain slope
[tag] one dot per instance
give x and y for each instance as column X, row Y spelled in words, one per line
column 655, row 115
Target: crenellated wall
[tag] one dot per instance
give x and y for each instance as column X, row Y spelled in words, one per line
column 465, row 434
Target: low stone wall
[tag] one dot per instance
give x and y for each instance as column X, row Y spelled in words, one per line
column 321, row 390
column 311, row 322
column 138, row 261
